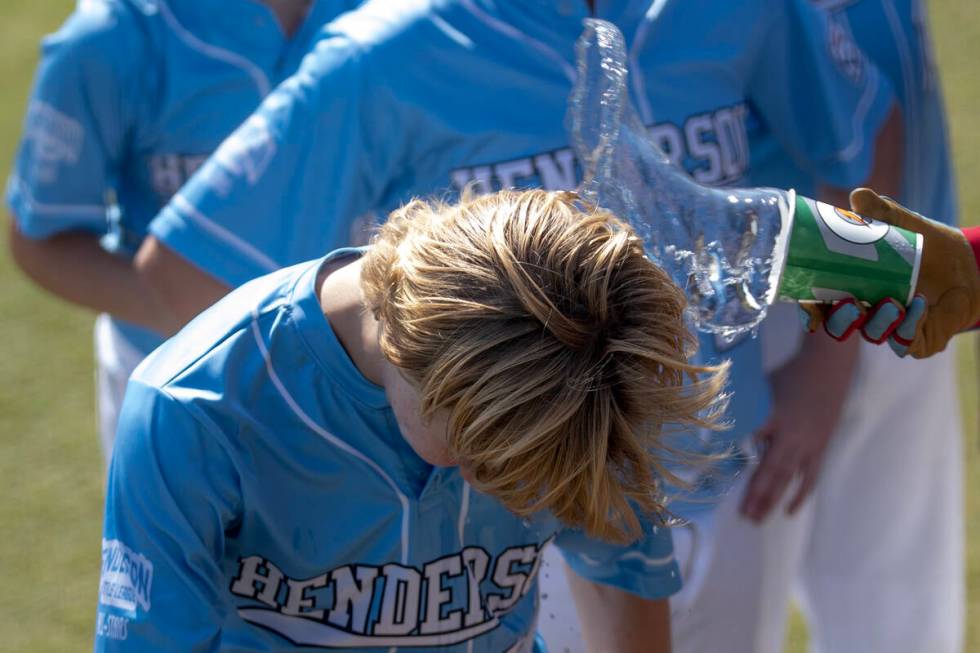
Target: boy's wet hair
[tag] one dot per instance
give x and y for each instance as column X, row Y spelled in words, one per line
column 559, row 349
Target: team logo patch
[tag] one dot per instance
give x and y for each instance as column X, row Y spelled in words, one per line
column 54, row 139
column 850, row 226
column 127, row 578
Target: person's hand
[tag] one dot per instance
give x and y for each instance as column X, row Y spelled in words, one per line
column 808, row 395
column 947, row 297
column 888, row 321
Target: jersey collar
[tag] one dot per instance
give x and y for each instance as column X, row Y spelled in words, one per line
column 316, row 332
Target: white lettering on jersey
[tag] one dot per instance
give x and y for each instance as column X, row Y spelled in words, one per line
column 507, row 577
column 439, row 595
column 557, row 169
column 698, row 131
column 353, row 589
column 510, row 173
column 298, row 602
column 712, row 146
column 127, row 578
column 729, row 127
column 246, row 153
column 400, row 602
column 258, row 579
column 393, row 605
column 477, row 563
column 168, row 172
column 478, row 178
column 670, row 140
column 111, row 626
column 54, row 139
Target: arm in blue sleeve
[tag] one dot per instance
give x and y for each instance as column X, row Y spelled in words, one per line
column 824, row 100
column 288, row 185
column 646, row 567
column 172, row 494
column 78, row 117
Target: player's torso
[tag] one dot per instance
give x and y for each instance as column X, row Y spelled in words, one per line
column 346, row 539
column 348, row 565
column 210, row 64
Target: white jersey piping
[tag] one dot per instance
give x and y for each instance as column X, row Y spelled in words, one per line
column 514, row 33
column 864, row 105
column 631, row 555
column 213, row 51
column 464, row 509
column 188, row 210
column 636, row 72
column 42, row 208
column 329, row 437
column 647, row 561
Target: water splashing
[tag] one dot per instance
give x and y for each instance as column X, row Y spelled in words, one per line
column 725, row 247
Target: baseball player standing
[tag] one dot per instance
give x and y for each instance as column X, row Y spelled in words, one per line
column 130, row 97
column 873, row 576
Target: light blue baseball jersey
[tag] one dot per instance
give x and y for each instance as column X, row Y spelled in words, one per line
column 895, row 36
column 262, row 498
column 890, row 36
column 132, row 96
column 455, row 92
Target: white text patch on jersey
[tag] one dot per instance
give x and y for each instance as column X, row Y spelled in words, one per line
column 127, row 578
column 55, row 139
column 712, row 146
column 443, row 603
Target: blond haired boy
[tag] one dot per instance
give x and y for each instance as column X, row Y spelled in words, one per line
column 372, row 450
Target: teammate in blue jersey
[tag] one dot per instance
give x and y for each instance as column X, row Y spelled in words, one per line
column 863, row 555
column 467, row 91
column 362, row 126
column 130, row 97
column 372, row 450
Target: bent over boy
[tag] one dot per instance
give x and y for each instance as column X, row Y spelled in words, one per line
column 371, row 450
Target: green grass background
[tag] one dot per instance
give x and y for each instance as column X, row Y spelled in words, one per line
column 50, row 466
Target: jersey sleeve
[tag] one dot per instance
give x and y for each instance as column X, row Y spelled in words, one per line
column 823, row 99
column 172, row 494
column 646, row 567
column 289, row 184
column 77, row 121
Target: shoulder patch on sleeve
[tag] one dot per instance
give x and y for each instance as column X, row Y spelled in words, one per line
column 55, row 139
column 127, row 578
